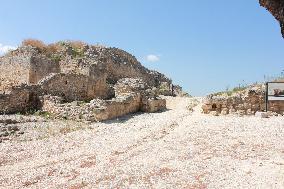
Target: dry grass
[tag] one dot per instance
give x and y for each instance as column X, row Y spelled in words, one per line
column 77, row 44
column 34, row 43
column 53, row 48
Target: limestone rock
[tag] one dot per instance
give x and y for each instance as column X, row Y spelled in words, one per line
column 262, row 114
column 153, row 105
column 250, row 112
column 65, row 81
column 214, row 113
column 244, row 101
column 225, row 111
column 241, row 113
column 276, row 8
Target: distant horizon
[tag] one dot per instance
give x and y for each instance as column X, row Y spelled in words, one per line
column 203, row 46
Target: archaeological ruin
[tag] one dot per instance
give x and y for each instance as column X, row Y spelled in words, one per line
column 80, row 82
column 243, row 101
column 249, row 100
column 276, row 8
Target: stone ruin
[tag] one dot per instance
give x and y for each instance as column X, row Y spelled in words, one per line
column 252, row 99
column 131, row 95
column 87, row 83
column 246, row 101
column 276, row 8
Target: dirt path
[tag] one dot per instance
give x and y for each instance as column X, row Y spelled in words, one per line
column 171, row 149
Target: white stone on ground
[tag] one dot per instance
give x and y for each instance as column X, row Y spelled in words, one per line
column 171, row 149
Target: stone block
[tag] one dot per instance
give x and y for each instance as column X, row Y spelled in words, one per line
column 241, row 112
column 224, row 111
column 153, row 105
column 214, row 113
column 262, row 114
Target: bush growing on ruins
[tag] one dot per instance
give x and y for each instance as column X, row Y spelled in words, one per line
column 231, row 92
column 77, row 44
column 78, row 53
column 78, row 48
column 54, row 48
column 52, row 51
column 34, row 43
column 55, row 58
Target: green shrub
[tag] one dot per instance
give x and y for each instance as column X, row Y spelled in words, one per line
column 231, row 92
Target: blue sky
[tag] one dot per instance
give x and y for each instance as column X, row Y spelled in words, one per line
column 203, row 45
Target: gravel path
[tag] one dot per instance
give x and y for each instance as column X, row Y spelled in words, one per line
column 172, row 149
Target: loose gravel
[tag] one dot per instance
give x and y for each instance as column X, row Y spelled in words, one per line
column 177, row 148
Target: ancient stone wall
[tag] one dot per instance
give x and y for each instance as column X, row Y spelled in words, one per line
column 19, row 99
column 119, row 106
column 110, row 63
column 245, row 102
column 25, row 66
column 129, row 99
column 74, row 111
column 40, row 67
column 99, row 110
column 14, row 71
column 74, row 87
column 118, row 68
column 63, row 80
column 276, row 8
column 153, row 105
column 113, row 62
column 129, row 85
column 74, row 65
column 96, row 110
column 131, row 95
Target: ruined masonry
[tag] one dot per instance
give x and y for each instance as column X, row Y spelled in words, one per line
column 276, row 8
column 247, row 101
column 91, row 83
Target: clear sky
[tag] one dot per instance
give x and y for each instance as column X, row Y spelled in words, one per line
column 203, row 45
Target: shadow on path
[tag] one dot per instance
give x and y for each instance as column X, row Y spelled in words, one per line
column 126, row 118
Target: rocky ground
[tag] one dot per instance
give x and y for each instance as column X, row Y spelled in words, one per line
column 177, row 148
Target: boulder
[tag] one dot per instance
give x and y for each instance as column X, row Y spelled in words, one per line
column 153, row 105
column 262, row 114
column 224, row 111
column 214, row 113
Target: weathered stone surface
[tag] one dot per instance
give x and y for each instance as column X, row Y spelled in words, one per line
column 276, row 8
column 18, row 99
column 225, row 111
column 262, row 114
column 128, row 85
column 25, row 66
column 241, row 112
column 153, row 105
column 130, row 97
column 74, row 86
column 49, row 80
column 119, row 106
column 214, row 113
column 243, row 102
